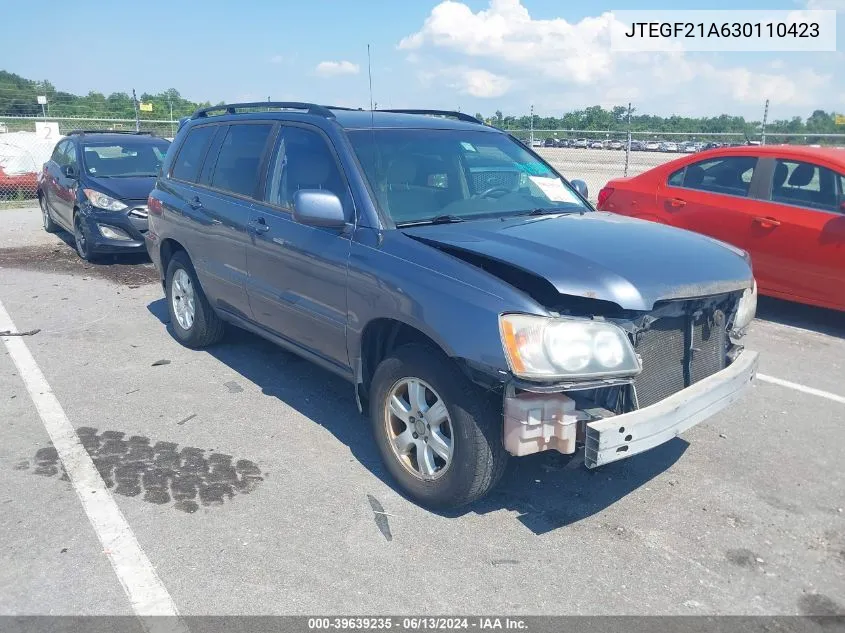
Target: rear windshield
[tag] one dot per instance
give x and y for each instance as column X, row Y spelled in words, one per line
column 125, row 159
column 418, row 175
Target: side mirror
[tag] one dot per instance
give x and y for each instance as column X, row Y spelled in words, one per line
column 68, row 171
column 580, row 187
column 317, row 207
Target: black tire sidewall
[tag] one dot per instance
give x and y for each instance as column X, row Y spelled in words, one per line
column 46, row 217
column 471, row 416
column 206, row 328
column 79, row 225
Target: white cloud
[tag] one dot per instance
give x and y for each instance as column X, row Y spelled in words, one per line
column 479, row 83
column 503, row 50
column 328, row 69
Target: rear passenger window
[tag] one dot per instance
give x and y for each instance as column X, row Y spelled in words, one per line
column 805, row 185
column 730, row 175
column 189, row 161
column 239, row 160
column 677, row 179
column 303, row 160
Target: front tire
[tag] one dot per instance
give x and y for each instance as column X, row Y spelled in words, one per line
column 81, row 239
column 439, row 435
column 46, row 217
column 194, row 322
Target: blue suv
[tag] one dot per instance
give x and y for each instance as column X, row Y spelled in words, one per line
column 476, row 301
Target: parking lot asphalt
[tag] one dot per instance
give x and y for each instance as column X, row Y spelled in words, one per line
column 743, row 515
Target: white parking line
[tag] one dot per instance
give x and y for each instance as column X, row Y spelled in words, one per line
column 803, row 388
column 143, row 587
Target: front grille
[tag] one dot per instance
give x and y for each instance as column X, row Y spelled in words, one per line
column 675, row 355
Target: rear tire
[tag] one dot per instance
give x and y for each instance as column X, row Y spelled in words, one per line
column 194, row 322
column 46, row 216
column 473, row 428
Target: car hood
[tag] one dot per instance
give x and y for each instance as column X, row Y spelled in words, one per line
column 630, row 262
column 130, row 188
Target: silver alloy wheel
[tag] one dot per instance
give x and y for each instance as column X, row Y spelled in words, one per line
column 419, row 428
column 182, row 298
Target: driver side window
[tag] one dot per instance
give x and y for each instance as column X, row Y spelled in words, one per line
column 58, row 153
column 304, row 160
column 70, row 154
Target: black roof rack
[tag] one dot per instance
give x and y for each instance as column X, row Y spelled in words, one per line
column 83, row 132
column 461, row 116
column 231, row 108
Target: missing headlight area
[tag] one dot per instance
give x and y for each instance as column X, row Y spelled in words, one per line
column 678, row 344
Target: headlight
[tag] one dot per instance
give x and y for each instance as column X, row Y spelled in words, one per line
column 102, row 201
column 544, row 347
column 747, row 308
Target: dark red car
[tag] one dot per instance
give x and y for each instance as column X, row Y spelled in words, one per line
column 785, row 205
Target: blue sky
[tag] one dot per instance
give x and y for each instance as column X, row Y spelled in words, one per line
column 478, row 55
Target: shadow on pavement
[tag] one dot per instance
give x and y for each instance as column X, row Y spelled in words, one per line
column 830, row 322
column 545, row 490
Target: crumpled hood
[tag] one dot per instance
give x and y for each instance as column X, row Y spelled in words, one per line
column 130, row 188
column 632, row 263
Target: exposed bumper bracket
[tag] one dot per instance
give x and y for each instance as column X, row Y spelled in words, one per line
column 625, row 435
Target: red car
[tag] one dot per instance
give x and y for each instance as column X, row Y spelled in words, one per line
column 785, row 205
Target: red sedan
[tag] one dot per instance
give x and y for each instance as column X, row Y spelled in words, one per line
column 785, row 205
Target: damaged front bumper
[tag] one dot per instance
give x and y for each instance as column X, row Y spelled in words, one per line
column 627, row 434
column 536, row 422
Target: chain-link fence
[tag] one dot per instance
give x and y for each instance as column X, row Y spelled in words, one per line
column 27, row 143
column 594, row 156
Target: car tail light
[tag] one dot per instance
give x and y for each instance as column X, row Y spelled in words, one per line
column 154, row 206
column 604, row 195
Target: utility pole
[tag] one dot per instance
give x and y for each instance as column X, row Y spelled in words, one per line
column 137, row 118
column 628, row 144
column 531, row 137
column 171, row 117
column 765, row 117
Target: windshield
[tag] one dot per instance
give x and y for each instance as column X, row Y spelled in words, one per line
column 123, row 160
column 452, row 175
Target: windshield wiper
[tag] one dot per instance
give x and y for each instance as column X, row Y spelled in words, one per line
column 438, row 219
column 553, row 211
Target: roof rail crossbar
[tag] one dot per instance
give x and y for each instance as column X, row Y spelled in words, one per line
column 231, row 108
column 82, row 132
column 461, row 116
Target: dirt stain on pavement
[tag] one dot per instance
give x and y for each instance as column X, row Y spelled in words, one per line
column 134, row 466
column 127, row 270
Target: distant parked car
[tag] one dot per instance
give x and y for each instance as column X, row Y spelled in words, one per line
column 688, row 148
column 785, row 205
column 550, row 142
column 668, row 146
column 564, row 142
column 596, row 145
column 615, row 145
column 652, row 146
column 711, row 145
column 95, row 186
column 637, row 146
column 580, row 143
column 536, row 143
